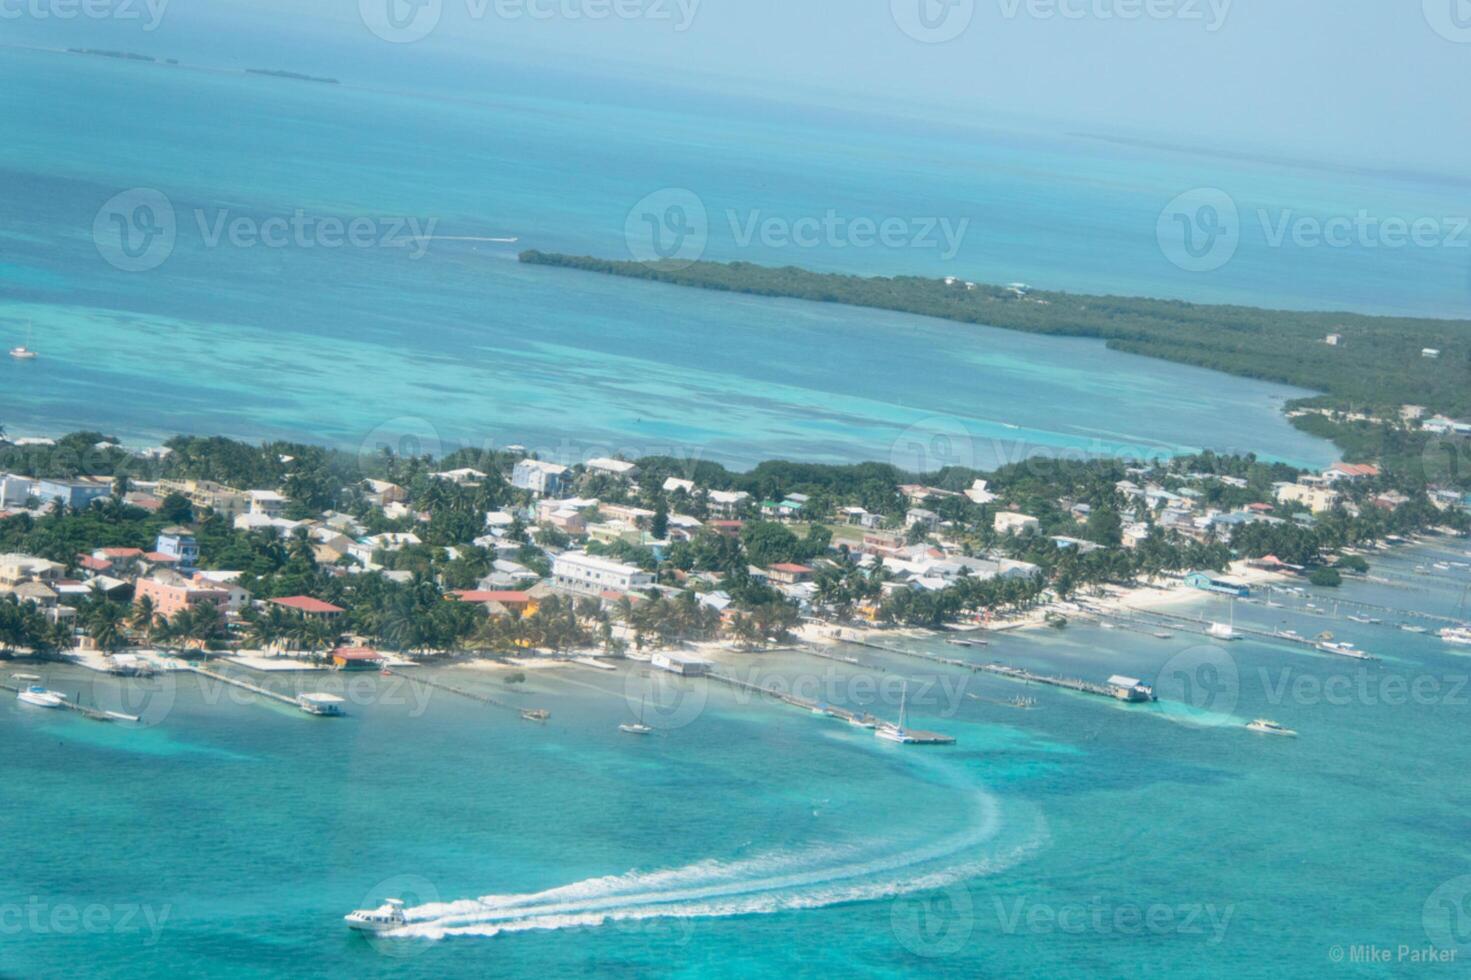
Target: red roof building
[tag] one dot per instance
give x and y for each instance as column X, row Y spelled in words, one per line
column 308, row 606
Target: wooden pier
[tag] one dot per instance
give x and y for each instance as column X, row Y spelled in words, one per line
column 528, row 714
column 917, row 736
column 1004, row 670
column 80, row 709
column 264, row 692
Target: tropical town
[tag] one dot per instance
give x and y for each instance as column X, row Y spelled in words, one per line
column 283, row 553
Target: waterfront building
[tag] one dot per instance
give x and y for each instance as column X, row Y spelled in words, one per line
column 584, row 574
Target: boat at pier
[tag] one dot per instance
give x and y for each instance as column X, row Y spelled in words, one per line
column 1459, row 635
column 38, row 696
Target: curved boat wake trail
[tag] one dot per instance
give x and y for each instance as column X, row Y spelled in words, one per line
column 807, row 878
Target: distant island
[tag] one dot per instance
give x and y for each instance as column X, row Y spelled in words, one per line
column 294, row 75
column 105, row 53
column 1360, row 363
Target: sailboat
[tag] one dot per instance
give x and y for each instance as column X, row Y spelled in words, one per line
column 892, row 733
column 638, row 727
column 24, row 352
column 1225, row 631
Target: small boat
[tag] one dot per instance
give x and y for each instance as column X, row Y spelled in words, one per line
column 637, row 727
column 1268, row 727
column 1020, row 702
column 536, row 714
column 896, row 733
column 1360, row 619
column 1459, row 635
column 38, row 696
column 1343, row 649
column 1413, row 629
column 24, row 352
column 385, row 918
column 867, row 721
column 1222, row 631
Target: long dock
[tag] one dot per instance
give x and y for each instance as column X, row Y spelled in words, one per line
column 80, row 709
column 529, row 714
column 264, row 692
column 1003, row 670
column 916, row 736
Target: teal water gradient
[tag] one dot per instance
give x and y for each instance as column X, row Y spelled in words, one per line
column 750, row 838
column 357, row 346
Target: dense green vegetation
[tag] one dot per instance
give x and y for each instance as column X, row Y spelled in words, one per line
column 1377, row 366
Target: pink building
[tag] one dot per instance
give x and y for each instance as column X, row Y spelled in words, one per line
column 173, row 594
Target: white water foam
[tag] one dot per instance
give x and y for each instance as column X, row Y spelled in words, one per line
column 772, row 883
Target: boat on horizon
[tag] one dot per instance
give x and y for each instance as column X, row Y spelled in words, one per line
column 385, row 918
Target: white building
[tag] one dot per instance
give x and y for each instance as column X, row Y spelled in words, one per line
column 684, row 666
column 541, row 478
column 1010, row 522
column 15, row 490
column 267, row 503
column 612, row 467
column 727, row 503
column 584, row 574
column 675, row 484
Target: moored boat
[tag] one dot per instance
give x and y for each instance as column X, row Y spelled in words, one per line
column 35, row 694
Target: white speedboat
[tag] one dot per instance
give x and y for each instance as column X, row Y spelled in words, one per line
column 385, row 918
column 636, row 728
column 1267, row 727
column 22, row 353
column 37, row 695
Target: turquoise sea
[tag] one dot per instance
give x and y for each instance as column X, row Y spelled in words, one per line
column 462, row 345
column 1082, row 837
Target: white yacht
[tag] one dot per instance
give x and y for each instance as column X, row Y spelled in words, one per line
column 638, row 727
column 40, row 697
column 385, row 918
column 1459, row 635
column 1267, row 727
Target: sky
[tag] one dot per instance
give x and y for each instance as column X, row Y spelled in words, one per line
column 1367, row 82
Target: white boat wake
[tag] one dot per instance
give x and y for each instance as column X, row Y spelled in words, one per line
column 773, row 883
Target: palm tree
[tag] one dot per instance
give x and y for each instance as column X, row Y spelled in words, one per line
column 104, row 621
column 143, row 617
